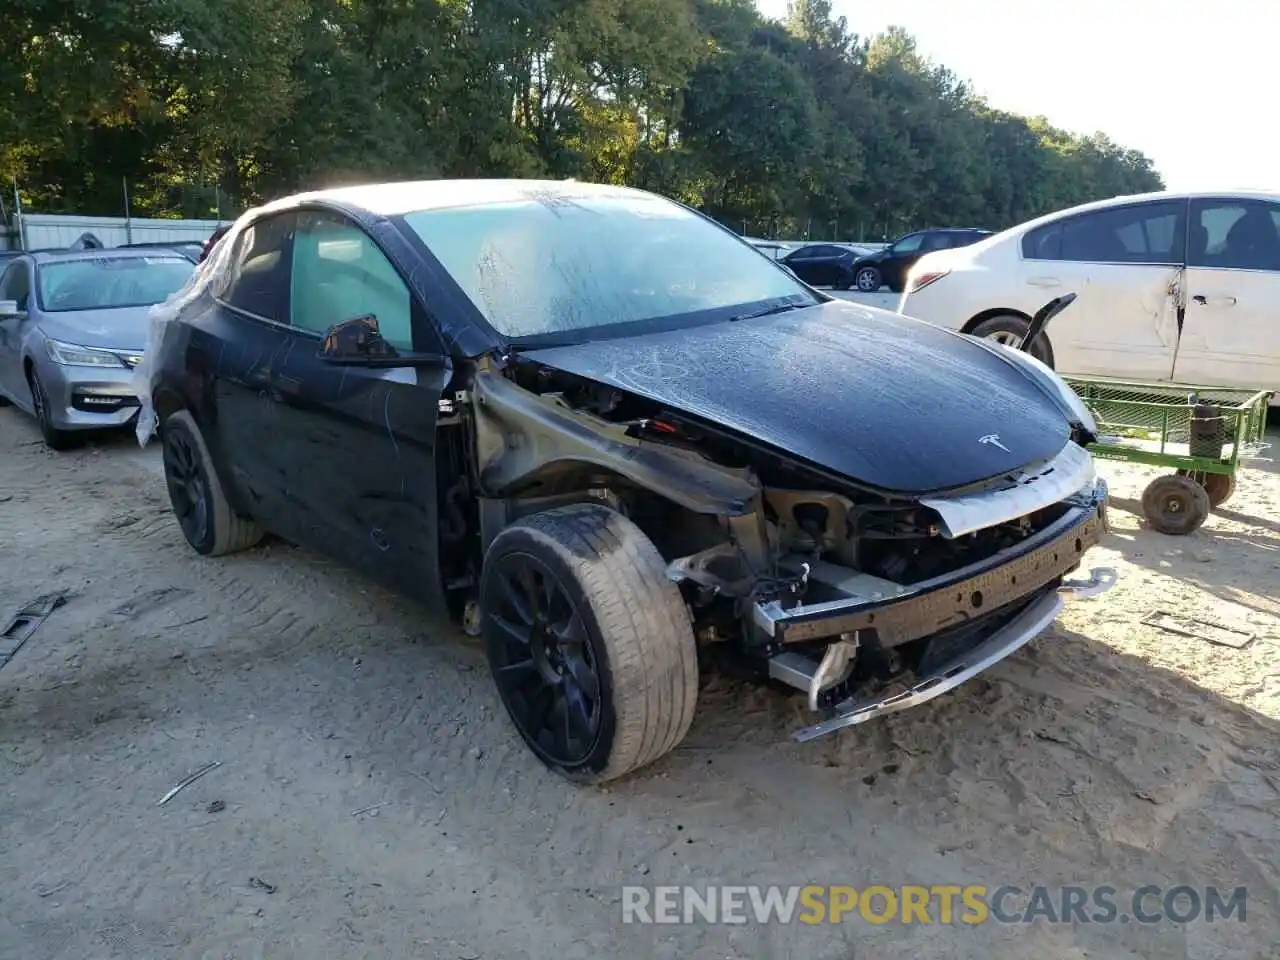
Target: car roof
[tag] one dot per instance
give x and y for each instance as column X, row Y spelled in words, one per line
column 395, row 199
column 1125, row 199
column 160, row 243
column 60, row 256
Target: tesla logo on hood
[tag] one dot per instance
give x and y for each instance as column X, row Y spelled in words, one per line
column 993, row 440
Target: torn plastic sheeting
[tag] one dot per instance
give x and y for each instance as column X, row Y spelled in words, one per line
column 213, row 270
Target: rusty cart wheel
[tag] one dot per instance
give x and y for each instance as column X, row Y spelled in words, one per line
column 1219, row 486
column 1175, row 505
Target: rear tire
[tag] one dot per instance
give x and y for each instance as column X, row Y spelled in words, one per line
column 54, row 438
column 1009, row 329
column 204, row 514
column 1175, row 505
column 1220, row 487
column 586, row 635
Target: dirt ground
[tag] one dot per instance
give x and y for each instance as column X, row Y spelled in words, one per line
column 1106, row 753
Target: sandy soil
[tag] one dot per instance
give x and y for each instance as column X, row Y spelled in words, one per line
column 1106, row 753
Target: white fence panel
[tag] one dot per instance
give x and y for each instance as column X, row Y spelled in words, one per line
column 42, row 230
column 157, row 231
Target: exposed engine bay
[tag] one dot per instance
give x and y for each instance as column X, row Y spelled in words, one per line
column 798, row 574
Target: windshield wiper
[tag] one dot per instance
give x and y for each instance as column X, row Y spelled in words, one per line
column 548, row 345
column 770, row 311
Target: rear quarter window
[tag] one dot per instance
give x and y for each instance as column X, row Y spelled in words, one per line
column 1043, row 243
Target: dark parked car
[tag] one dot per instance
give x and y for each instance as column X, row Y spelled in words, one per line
column 609, row 436
column 212, row 242
column 889, row 267
column 823, row 265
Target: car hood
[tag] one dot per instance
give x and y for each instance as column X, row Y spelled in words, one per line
column 124, row 328
column 890, row 402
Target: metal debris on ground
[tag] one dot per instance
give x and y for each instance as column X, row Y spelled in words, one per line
column 43, row 891
column 262, row 884
column 183, row 784
column 376, row 806
column 1205, row 630
column 217, row 806
column 25, row 623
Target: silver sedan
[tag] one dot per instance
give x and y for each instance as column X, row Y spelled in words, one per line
column 72, row 328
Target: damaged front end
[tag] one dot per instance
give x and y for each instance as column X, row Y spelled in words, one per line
column 917, row 597
column 928, row 637
column 868, row 602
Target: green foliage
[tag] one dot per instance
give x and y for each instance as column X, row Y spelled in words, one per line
column 205, row 105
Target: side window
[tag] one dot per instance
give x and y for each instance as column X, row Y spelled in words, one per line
column 1043, row 243
column 1235, row 235
column 1143, row 233
column 909, row 244
column 259, row 282
column 15, row 284
column 939, row 241
column 339, row 274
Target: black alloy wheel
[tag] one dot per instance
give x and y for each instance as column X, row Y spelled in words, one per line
column 188, row 487
column 543, row 660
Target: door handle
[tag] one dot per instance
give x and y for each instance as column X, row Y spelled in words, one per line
column 1044, row 282
column 1214, row 301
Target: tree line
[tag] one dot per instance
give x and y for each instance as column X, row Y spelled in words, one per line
column 775, row 128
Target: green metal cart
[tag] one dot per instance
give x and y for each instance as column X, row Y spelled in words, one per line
column 1200, row 433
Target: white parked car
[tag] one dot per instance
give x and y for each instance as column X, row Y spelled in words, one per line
column 1170, row 287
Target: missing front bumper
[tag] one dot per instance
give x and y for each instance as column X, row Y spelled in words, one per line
column 902, row 614
column 968, row 664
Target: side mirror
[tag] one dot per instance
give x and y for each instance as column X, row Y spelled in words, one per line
column 1042, row 318
column 356, row 341
column 9, row 310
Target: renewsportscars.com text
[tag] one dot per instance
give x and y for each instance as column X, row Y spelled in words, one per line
column 939, row 903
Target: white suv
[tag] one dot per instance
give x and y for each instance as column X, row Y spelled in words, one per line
column 1173, row 287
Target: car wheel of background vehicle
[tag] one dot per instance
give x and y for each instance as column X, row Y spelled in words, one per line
column 54, row 438
column 1009, row 329
column 589, row 642
column 1219, row 486
column 1175, row 505
column 207, row 520
column 868, row 279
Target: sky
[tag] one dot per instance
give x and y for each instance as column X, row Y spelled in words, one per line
column 1190, row 84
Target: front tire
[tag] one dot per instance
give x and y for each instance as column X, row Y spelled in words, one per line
column 589, row 643
column 1175, row 505
column 1009, row 329
column 54, row 438
column 206, row 518
column 868, row 279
